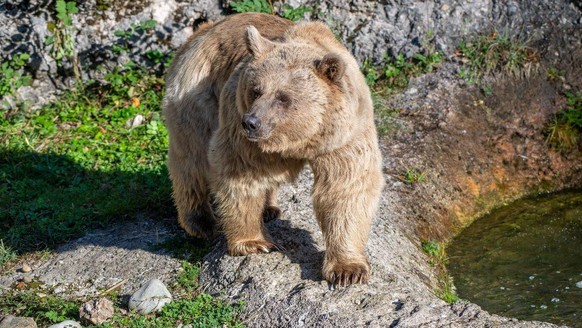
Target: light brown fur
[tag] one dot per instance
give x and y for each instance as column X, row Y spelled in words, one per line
column 311, row 105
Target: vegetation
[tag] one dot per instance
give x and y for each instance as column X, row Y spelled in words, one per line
column 11, row 77
column 266, row 6
column 75, row 164
column 438, row 259
column 63, row 36
column 412, row 176
column 192, row 307
column 496, row 52
column 395, row 73
column 564, row 130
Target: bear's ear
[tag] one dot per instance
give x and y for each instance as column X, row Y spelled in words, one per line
column 332, row 67
column 256, row 43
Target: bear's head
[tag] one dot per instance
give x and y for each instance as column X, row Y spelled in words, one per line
column 286, row 93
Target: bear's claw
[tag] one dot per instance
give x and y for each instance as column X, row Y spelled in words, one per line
column 253, row 247
column 348, row 274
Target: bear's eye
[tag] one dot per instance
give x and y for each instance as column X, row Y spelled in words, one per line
column 255, row 93
column 283, row 99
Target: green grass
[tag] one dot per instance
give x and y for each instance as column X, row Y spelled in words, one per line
column 412, row 176
column 496, row 52
column 74, row 164
column 7, row 254
column 564, row 130
column 438, row 259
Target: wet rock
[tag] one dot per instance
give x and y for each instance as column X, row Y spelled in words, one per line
column 96, row 311
column 579, row 284
column 17, row 322
column 66, row 324
column 152, row 296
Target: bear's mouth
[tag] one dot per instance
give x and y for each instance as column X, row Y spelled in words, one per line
column 256, row 137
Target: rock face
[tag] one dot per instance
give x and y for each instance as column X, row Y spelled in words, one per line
column 369, row 28
column 151, row 297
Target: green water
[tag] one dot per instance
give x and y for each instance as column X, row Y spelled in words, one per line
column 524, row 260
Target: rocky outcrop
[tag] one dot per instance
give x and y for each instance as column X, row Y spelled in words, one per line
column 370, row 29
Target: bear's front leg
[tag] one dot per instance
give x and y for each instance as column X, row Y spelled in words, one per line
column 240, row 206
column 346, row 193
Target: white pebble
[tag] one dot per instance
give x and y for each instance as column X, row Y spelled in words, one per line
column 555, row 300
column 543, row 306
column 579, row 284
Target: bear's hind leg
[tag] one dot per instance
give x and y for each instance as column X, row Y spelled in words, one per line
column 187, row 170
column 271, row 211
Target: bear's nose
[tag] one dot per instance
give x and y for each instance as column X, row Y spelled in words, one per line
column 251, row 123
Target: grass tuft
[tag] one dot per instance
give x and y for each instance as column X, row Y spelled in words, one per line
column 438, row 259
column 563, row 131
column 496, row 52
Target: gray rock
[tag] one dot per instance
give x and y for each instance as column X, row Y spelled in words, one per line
column 11, row 321
column 67, row 324
column 96, row 311
column 152, row 296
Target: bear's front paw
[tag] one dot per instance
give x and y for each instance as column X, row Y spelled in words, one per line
column 243, row 248
column 345, row 274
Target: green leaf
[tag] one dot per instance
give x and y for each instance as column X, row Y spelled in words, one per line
column 72, row 7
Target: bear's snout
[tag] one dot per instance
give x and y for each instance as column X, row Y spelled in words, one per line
column 251, row 123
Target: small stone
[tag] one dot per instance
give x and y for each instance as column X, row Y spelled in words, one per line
column 555, row 300
column 152, row 296
column 26, row 268
column 579, row 284
column 532, row 277
column 96, row 311
column 11, row 321
column 27, row 279
column 66, row 324
column 543, row 306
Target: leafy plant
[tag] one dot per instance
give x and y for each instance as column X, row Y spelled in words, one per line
column 394, row 73
column 266, row 6
column 295, row 14
column 46, row 310
column 125, row 36
column 257, row 6
column 63, row 36
column 11, row 77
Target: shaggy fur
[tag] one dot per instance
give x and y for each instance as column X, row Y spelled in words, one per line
column 250, row 100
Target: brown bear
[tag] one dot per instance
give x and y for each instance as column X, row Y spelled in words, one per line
column 250, row 100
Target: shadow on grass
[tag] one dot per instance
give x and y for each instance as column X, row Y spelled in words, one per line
column 47, row 200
